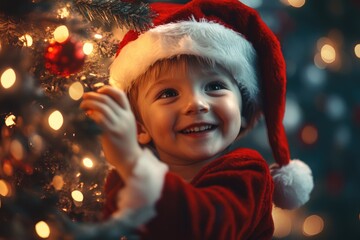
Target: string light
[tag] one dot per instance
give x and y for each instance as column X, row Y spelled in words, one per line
column 27, row 40
column 10, row 120
column 61, row 34
column 42, row 229
column 88, row 162
column 76, row 91
column 58, row 182
column 8, row 78
column 98, row 36
column 77, row 196
column 88, row 48
column 313, row 225
column 4, row 189
column 56, row 120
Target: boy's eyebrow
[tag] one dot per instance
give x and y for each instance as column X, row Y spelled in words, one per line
column 154, row 84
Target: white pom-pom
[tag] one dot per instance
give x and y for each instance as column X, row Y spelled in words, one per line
column 293, row 184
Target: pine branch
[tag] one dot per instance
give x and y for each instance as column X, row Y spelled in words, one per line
column 136, row 16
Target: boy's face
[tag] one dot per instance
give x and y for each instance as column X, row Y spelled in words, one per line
column 191, row 115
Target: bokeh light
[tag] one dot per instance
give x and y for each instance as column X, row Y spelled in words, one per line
column 8, row 78
column 296, row 3
column 76, row 91
column 17, row 150
column 357, row 50
column 61, row 34
column 42, row 229
column 282, row 222
column 309, row 134
column 335, row 107
column 27, row 40
column 328, row 53
column 313, row 225
column 77, row 196
column 56, row 120
column 293, row 115
column 88, row 162
column 10, row 120
column 4, row 188
column 58, row 182
column 88, row 48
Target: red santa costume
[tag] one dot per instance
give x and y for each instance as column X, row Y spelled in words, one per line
column 231, row 197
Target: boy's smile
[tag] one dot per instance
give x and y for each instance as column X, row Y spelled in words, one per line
column 191, row 115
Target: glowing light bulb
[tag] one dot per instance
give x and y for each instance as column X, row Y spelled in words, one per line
column 296, row 3
column 58, row 182
column 10, row 120
column 88, row 48
column 77, row 196
column 61, row 34
column 98, row 36
column 313, row 225
column 357, row 50
column 328, row 53
column 42, row 229
column 4, row 189
column 56, row 120
column 76, row 90
column 8, row 78
column 27, row 40
column 8, row 169
column 88, row 162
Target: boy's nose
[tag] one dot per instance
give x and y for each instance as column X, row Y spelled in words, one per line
column 196, row 104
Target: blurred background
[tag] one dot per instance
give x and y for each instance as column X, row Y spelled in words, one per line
column 58, row 163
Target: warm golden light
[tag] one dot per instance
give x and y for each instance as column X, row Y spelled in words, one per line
column 296, row 3
column 8, row 169
column 88, row 48
column 17, row 150
column 42, row 229
column 56, row 120
column 357, row 50
column 58, row 182
column 63, row 12
column 282, row 222
column 27, row 40
column 10, row 120
column 309, row 134
column 76, row 90
column 4, row 189
column 8, row 78
column 328, row 53
column 98, row 36
column 313, row 225
column 61, row 34
column 88, row 162
column 77, row 196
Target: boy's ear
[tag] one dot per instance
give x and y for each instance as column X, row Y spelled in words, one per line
column 143, row 135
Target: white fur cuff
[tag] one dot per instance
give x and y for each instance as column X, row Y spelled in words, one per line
column 136, row 201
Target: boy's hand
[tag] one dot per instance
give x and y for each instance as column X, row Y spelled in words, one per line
column 110, row 109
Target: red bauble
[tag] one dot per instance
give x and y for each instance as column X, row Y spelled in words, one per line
column 64, row 58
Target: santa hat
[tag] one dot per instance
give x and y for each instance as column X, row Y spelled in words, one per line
column 234, row 36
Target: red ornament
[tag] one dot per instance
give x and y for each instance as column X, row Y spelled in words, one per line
column 64, row 58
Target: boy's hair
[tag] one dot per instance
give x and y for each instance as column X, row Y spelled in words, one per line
column 250, row 109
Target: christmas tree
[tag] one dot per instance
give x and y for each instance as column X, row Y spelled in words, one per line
column 52, row 169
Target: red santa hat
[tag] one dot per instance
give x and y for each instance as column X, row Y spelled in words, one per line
column 234, row 36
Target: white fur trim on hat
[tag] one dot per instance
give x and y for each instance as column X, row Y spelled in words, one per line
column 205, row 39
column 293, row 184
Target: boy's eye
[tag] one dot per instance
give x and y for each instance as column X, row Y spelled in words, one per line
column 167, row 93
column 215, row 86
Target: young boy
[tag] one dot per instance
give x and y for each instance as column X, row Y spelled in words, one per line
column 187, row 89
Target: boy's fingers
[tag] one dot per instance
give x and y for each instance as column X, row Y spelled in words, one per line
column 92, row 107
column 117, row 95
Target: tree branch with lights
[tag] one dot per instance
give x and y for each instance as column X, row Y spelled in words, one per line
column 52, row 168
